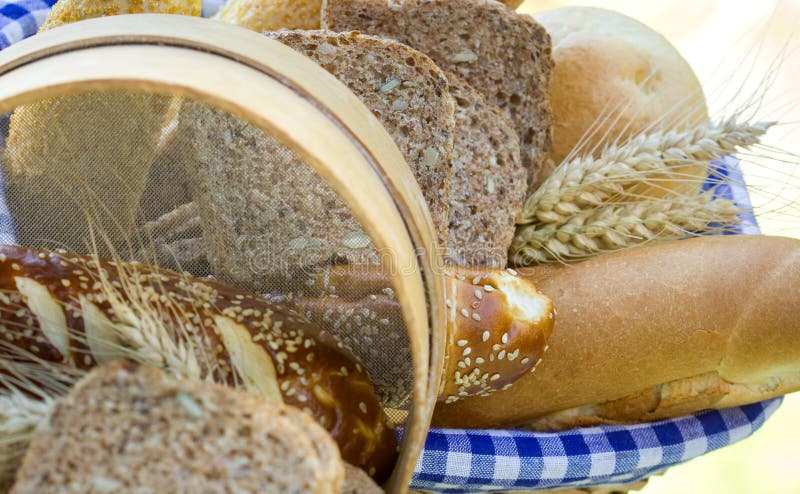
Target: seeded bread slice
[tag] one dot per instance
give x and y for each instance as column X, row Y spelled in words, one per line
column 405, row 90
column 127, row 428
column 265, row 210
column 504, row 55
column 356, row 481
column 488, row 184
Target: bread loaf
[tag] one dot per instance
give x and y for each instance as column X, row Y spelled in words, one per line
column 271, row 15
column 488, row 184
column 657, row 331
column 616, row 77
column 504, row 55
column 81, row 311
column 128, row 428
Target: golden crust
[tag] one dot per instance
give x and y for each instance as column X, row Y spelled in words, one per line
column 67, row 11
column 272, row 15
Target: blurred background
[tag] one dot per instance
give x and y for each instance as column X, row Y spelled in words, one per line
column 740, row 50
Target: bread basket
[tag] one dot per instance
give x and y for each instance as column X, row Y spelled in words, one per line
column 249, row 87
column 127, row 77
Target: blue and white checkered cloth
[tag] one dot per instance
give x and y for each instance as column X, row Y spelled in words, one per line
column 457, row 460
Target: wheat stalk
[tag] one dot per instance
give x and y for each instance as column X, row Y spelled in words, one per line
column 616, row 226
column 593, row 205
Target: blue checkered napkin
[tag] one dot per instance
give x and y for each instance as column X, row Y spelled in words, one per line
column 21, row 18
column 500, row 460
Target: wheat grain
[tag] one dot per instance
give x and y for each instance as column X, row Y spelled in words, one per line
column 642, row 190
column 615, row 226
column 586, row 181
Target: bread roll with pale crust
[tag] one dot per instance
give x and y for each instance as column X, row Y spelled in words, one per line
column 655, row 332
column 608, row 64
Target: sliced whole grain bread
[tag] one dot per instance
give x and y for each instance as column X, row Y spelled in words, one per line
column 405, row 90
column 356, row 481
column 504, row 55
column 128, row 428
column 265, row 210
column 488, row 184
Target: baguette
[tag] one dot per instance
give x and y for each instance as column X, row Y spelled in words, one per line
column 80, row 311
column 155, row 427
column 656, row 332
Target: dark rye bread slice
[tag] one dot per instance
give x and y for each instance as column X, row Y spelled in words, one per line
column 489, row 181
column 504, row 55
column 128, row 428
column 405, row 90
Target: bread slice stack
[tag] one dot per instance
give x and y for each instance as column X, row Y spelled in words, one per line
column 127, row 428
column 489, row 181
column 504, row 55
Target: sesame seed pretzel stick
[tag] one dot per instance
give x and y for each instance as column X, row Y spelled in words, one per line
column 497, row 325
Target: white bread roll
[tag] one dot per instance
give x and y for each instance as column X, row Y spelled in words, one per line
column 603, row 60
column 655, row 332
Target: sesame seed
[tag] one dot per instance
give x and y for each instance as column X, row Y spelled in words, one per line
column 524, row 361
column 496, row 347
column 15, row 266
column 495, row 377
column 363, row 407
column 546, row 347
column 504, row 338
column 513, row 355
column 462, row 365
column 485, row 336
column 479, row 360
column 512, row 272
column 462, row 343
column 449, row 303
column 476, row 316
column 507, row 386
column 478, row 294
column 488, row 288
column 466, row 351
column 476, row 280
column 65, row 282
column 465, row 312
column 468, row 362
column 538, row 362
column 549, row 315
column 501, row 355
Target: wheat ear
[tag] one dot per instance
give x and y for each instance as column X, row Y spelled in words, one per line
column 593, row 205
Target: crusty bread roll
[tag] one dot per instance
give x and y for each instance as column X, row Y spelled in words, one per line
column 604, row 60
column 657, row 331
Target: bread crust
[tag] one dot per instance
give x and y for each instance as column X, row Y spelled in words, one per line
column 632, row 321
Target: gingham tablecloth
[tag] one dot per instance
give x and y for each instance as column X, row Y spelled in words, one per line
column 458, row 460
